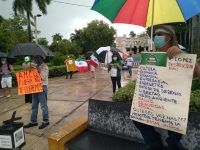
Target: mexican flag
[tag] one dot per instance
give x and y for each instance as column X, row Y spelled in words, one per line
column 94, row 60
column 81, row 65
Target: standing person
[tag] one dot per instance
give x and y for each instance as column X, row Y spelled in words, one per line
column 28, row 65
column 115, row 68
column 6, row 71
column 70, row 66
column 129, row 61
column 165, row 41
column 40, row 97
column 91, row 68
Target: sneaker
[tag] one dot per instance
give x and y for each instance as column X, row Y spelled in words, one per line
column 30, row 125
column 8, row 96
column 43, row 125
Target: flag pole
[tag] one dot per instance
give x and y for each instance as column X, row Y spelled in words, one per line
column 152, row 21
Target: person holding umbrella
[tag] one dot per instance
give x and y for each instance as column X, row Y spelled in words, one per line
column 115, row 68
column 165, row 41
column 41, row 97
column 6, row 71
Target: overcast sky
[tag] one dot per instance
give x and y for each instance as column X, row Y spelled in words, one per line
column 65, row 18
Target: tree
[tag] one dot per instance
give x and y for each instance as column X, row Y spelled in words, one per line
column 12, row 32
column 95, row 35
column 21, row 6
column 143, row 34
column 57, row 37
column 43, row 41
column 132, row 34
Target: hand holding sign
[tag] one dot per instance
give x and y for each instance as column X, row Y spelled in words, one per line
column 29, row 82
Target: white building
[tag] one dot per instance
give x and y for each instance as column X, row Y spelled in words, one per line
column 133, row 45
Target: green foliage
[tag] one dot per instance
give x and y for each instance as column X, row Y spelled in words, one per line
column 126, row 93
column 132, row 34
column 194, row 101
column 196, row 84
column 95, row 35
column 57, row 71
column 58, row 60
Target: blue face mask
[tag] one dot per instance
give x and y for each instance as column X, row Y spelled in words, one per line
column 159, row 41
column 37, row 61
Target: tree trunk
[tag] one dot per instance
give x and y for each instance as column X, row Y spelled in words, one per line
column 194, row 34
column 29, row 27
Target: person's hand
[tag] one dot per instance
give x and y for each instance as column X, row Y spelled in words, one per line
column 174, row 50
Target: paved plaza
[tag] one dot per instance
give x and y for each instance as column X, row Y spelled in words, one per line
column 67, row 101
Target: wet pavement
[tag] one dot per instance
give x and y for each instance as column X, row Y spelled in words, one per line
column 67, row 101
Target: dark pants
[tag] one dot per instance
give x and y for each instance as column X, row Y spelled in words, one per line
column 116, row 80
column 71, row 73
column 153, row 138
column 28, row 98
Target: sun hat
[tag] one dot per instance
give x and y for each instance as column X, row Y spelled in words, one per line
column 27, row 59
column 167, row 28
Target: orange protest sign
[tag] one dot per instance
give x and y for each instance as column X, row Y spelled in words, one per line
column 29, row 82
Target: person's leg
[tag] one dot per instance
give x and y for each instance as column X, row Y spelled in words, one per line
column 9, row 84
column 114, row 79
column 173, row 141
column 35, row 104
column 119, row 82
column 71, row 73
column 66, row 74
column 130, row 70
column 43, row 102
column 151, row 137
column 3, row 85
column 30, row 98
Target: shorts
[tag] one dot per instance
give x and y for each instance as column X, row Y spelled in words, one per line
column 6, row 82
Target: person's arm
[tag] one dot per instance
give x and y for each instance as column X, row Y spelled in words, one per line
column 44, row 72
column 11, row 69
column 196, row 72
column 119, row 65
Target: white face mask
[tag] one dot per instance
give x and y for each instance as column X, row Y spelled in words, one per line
column 3, row 62
column 114, row 58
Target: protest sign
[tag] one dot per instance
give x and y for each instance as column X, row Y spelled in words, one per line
column 162, row 93
column 29, row 82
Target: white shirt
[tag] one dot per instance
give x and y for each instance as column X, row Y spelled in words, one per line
column 129, row 61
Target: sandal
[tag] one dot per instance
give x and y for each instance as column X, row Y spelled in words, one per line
column 8, row 96
column 2, row 96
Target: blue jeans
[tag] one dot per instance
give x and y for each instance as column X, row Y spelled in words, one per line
column 116, row 80
column 153, row 138
column 130, row 70
column 42, row 99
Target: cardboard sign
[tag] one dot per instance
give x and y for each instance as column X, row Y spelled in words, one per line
column 29, row 82
column 162, row 93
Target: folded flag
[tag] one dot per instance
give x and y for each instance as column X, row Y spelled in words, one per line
column 94, row 60
column 81, row 65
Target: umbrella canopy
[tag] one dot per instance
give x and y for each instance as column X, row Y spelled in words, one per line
column 10, row 60
column 88, row 54
column 141, row 12
column 105, row 54
column 30, row 49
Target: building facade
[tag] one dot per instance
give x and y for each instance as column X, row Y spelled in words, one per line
column 134, row 45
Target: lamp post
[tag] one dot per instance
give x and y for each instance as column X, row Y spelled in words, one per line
column 36, row 39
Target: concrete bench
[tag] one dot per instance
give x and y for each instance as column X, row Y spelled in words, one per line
column 109, row 128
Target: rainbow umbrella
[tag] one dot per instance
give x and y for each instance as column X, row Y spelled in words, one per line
column 147, row 13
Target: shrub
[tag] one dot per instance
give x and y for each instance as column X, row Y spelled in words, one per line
column 57, row 71
column 194, row 101
column 58, row 60
column 126, row 93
